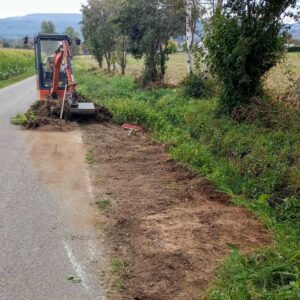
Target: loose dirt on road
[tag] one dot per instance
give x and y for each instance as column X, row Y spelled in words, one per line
column 166, row 228
column 59, row 159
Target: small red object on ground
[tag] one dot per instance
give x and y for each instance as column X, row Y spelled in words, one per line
column 132, row 127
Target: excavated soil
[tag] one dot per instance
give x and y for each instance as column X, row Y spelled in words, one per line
column 168, row 226
column 47, row 115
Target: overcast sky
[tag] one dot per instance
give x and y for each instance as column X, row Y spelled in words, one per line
column 10, row 8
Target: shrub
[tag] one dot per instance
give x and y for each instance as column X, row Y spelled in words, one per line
column 172, row 47
column 244, row 42
column 195, row 86
column 294, row 49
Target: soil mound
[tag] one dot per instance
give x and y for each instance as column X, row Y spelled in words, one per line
column 47, row 113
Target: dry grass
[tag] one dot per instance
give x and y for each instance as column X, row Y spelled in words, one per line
column 277, row 80
column 283, row 81
column 176, row 67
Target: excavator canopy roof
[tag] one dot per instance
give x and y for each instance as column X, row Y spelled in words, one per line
column 55, row 37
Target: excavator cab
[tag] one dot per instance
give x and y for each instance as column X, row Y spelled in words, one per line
column 53, row 62
column 45, row 47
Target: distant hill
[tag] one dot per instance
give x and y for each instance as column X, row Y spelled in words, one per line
column 18, row 27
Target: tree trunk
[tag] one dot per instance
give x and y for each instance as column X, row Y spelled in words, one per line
column 123, row 62
column 151, row 66
column 107, row 58
column 124, row 55
column 189, row 36
column 100, row 60
column 219, row 4
column 162, row 62
column 114, row 65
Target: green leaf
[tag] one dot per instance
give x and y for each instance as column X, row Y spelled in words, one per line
column 263, row 199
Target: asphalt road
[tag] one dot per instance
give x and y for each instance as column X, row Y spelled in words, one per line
column 37, row 246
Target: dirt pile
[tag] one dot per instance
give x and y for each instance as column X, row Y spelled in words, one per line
column 47, row 113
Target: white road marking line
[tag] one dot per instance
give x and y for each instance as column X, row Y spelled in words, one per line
column 76, row 266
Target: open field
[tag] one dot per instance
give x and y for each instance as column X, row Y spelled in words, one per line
column 15, row 65
column 279, row 78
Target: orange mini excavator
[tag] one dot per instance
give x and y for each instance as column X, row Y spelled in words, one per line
column 53, row 62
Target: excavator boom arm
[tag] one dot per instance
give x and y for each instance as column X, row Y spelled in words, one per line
column 62, row 58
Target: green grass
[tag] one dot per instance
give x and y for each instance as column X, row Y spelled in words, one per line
column 89, row 157
column 256, row 163
column 10, row 81
column 15, row 65
column 104, row 204
column 119, row 269
column 23, row 119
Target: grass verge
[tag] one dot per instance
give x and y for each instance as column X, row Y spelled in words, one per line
column 256, row 162
column 15, row 79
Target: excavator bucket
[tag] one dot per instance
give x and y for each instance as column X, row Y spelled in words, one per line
column 84, row 109
column 54, row 71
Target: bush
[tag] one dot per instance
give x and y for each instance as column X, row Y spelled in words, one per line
column 244, row 43
column 195, row 86
column 172, row 47
column 294, row 49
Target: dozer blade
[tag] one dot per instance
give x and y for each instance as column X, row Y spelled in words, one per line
column 82, row 108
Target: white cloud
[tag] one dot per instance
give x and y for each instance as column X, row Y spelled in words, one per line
column 11, row 8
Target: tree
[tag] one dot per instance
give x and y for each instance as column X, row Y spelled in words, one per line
column 99, row 29
column 149, row 26
column 245, row 40
column 121, row 46
column 48, row 27
column 197, row 12
column 73, row 35
column 192, row 17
